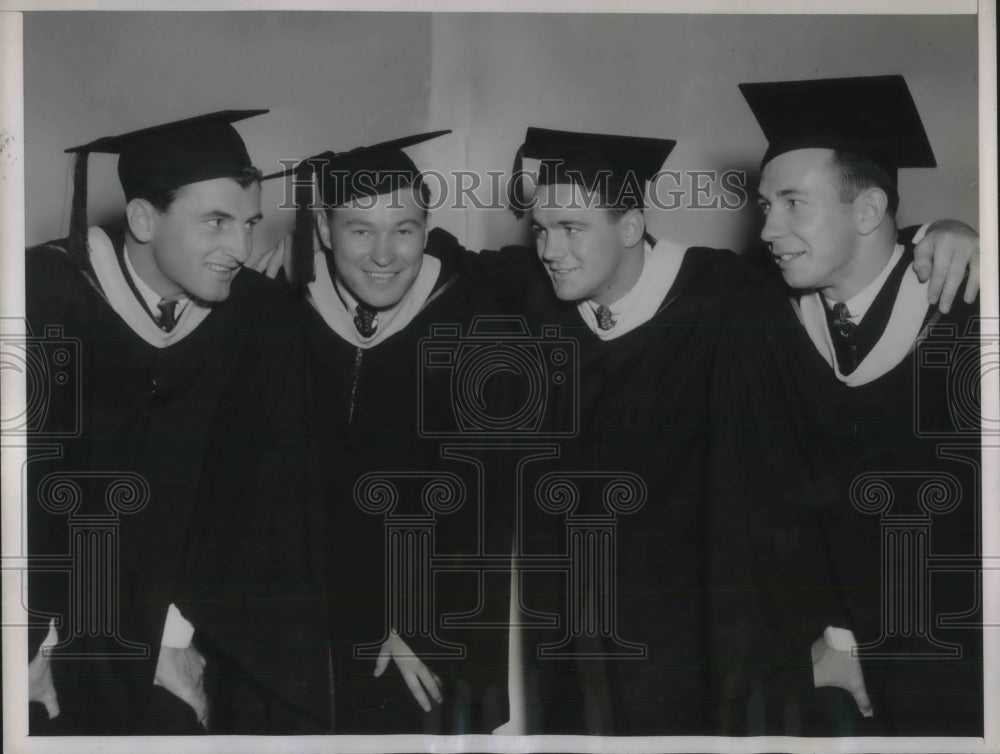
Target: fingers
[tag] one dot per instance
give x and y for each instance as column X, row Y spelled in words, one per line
column 942, row 263
column 50, row 699
column 430, row 681
column 198, row 656
column 972, row 284
column 41, row 686
column 410, row 676
column 961, row 254
column 863, row 702
column 922, row 256
column 383, row 660
column 263, row 261
column 276, row 260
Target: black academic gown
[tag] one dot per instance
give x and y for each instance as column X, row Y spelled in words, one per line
column 197, row 456
column 643, row 401
column 393, row 491
column 815, row 462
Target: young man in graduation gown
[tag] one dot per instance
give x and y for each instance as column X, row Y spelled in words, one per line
column 185, row 492
column 648, row 317
column 861, row 453
column 375, row 302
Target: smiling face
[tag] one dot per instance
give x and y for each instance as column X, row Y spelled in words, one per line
column 377, row 244
column 201, row 240
column 812, row 232
column 585, row 249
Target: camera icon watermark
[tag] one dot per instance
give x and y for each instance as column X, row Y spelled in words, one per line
column 51, row 367
column 539, row 398
column 952, row 363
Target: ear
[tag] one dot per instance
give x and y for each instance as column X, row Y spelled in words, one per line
column 632, row 226
column 870, row 208
column 323, row 221
column 141, row 216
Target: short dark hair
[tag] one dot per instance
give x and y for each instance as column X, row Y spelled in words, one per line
column 162, row 200
column 858, row 173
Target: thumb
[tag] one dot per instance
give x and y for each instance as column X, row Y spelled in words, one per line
column 383, row 661
column 51, row 702
column 922, row 256
column 864, row 703
column 277, row 259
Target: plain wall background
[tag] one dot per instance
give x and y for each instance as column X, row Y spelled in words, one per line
column 343, row 79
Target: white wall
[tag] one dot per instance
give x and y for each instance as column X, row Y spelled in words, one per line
column 339, row 80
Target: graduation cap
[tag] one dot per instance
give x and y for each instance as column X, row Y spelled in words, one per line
column 872, row 116
column 342, row 178
column 620, row 165
column 161, row 158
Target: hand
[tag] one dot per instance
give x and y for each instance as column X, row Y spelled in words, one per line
column 41, row 688
column 833, row 667
column 417, row 675
column 947, row 249
column 182, row 673
column 272, row 261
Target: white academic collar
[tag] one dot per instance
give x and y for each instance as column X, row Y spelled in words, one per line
column 151, row 297
column 337, row 306
column 120, row 297
column 902, row 332
column 659, row 270
column 859, row 304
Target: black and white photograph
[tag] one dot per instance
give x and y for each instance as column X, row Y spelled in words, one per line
column 512, row 377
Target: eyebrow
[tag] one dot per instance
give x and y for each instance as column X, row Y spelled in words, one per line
column 229, row 216
column 781, row 193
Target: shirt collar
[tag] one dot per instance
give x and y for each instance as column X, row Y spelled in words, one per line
column 626, row 302
column 860, row 303
column 149, row 296
column 660, row 267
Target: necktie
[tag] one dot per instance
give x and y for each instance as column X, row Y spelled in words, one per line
column 366, row 320
column 605, row 320
column 844, row 332
column 166, row 320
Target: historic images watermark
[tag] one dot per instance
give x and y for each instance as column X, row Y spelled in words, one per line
column 491, row 190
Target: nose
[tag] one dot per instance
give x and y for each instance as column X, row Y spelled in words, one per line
column 383, row 251
column 551, row 249
column 240, row 246
column 774, row 227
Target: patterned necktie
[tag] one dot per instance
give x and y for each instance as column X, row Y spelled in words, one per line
column 167, row 318
column 366, row 320
column 605, row 320
column 844, row 338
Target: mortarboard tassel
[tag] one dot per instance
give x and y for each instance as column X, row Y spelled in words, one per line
column 303, row 267
column 77, row 241
column 515, row 191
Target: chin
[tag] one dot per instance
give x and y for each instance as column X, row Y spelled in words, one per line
column 800, row 282
column 212, row 294
column 381, row 299
column 567, row 293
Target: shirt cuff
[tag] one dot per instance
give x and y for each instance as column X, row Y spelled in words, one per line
column 177, row 632
column 840, row 639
